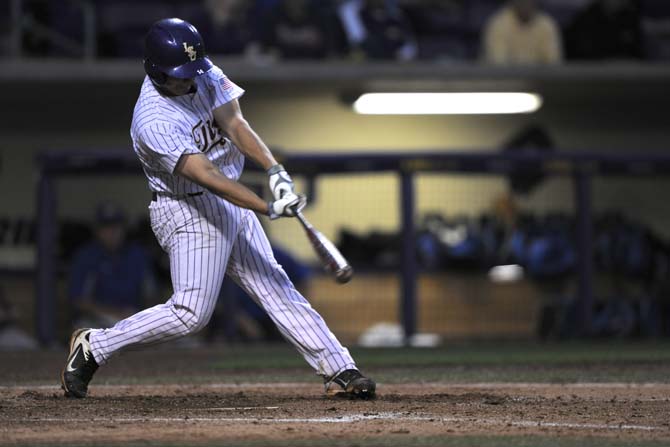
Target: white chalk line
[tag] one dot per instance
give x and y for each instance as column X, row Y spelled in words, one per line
column 400, row 417
column 236, row 408
column 587, row 426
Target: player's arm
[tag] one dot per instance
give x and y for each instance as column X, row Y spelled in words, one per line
column 229, row 118
column 198, row 169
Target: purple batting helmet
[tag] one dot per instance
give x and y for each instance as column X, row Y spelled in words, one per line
column 173, row 47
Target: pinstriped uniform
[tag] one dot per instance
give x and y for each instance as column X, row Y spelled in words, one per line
column 207, row 237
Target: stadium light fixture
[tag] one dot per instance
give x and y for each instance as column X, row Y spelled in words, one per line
column 476, row 103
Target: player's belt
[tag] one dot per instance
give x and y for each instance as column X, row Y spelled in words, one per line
column 154, row 195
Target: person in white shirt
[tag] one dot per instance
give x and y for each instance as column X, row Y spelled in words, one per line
column 520, row 34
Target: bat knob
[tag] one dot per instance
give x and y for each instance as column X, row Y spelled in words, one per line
column 344, row 274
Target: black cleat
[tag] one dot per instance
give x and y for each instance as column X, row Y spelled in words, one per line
column 80, row 365
column 351, row 383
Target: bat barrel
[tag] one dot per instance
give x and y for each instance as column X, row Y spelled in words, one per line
column 344, row 274
column 331, row 258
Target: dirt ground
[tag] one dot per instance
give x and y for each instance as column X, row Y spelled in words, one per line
column 225, row 412
column 218, row 408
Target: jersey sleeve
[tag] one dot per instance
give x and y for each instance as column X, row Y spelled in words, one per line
column 223, row 89
column 165, row 143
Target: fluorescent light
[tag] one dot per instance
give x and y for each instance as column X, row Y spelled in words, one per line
column 447, row 103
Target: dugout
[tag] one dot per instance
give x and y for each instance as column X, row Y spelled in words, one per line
column 581, row 170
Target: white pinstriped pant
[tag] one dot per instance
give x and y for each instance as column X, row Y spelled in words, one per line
column 207, row 237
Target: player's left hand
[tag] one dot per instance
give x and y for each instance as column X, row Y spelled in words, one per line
column 280, row 182
column 288, row 206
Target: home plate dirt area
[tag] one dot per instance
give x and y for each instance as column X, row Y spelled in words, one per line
column 130, row 404
column 203, row 413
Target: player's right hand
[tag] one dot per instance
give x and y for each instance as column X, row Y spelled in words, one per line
column 287, row 206
column 280, row 182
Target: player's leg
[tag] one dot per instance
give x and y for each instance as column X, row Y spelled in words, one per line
column 196, row 239
column 253, row 266
column 198, row 249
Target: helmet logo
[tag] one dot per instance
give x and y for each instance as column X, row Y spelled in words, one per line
column 188, row 49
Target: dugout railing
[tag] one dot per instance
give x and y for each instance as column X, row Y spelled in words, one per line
column 580, row 168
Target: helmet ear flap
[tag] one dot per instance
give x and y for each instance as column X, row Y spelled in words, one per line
column 154, row 72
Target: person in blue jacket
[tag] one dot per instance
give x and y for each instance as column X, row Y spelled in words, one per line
column 110, row 277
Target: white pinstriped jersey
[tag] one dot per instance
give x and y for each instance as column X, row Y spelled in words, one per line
column 208, row 237
column 166, row 127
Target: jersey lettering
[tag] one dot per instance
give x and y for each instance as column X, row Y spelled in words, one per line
column 206, row 135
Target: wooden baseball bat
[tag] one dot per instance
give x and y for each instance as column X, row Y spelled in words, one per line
column 330, row 256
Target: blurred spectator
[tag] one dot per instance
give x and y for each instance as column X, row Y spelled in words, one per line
column 45, row 28
column 655, row 18
column 236, row 27
column 121, row 25
column 533, row 139
column 519, row 33
column 6, row 29
column 377, row 29
column 300, row 29
column 606, row 29
column 36, row 16
column 442, row 29
column 110, row 277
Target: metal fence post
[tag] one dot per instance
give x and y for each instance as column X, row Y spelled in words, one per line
column 46, row 253
column 585, row 254
column 408, row 303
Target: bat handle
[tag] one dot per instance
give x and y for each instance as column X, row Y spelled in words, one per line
column 302, row 220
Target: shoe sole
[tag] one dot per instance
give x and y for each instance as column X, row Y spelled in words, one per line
column 73, row 337
column 361, row 389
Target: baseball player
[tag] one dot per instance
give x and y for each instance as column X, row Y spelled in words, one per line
column 191, row 139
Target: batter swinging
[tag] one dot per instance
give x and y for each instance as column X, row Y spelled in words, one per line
column 191, row 138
